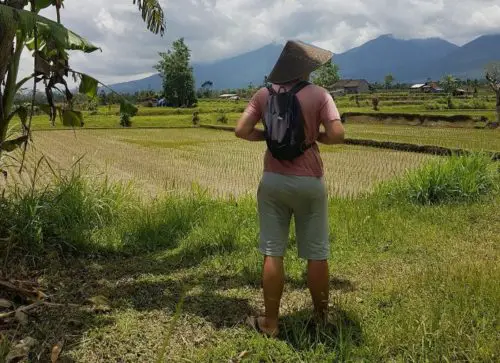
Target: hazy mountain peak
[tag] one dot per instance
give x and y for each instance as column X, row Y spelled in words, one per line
column 409, row 60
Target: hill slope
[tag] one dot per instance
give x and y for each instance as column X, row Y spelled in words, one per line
column 402, row 58
column 469, row 60
column 412, row 60
column 235, row 72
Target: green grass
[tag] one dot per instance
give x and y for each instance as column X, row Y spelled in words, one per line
column 211, row 110
column 420, row 109
column 452, row 180
column 151, row 121
column 409, row 282
column 162, row 160
column 457, row 138
column 112, row 121
column 170, row 144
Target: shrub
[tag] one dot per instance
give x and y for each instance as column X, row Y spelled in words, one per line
column 434, row 106
column 375, row 103
column 125, row 120
column 92, row 105
column 441, row 100
column 479, row 104
column 196, row 118
column 76, row 216
column 475, row 104
column 67, row 215
column 451, row 180
column 449, row 102
column 222, row 118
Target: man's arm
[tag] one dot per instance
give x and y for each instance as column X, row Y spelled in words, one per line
column 245, row 129
column 334, row 133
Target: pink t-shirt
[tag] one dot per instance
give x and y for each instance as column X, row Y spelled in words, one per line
column 317, row 106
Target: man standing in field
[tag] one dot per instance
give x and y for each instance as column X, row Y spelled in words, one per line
column 292, row 111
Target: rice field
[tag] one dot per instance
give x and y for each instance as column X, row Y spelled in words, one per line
column 175, row 279
column 160, row 161
column 457, row 138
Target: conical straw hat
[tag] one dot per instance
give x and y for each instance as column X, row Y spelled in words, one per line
column 297, row 60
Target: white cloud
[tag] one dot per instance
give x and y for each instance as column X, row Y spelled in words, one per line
column 217, row 29
column 107, row 23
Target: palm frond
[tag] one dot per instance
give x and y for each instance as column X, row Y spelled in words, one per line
column 48, row 30
column 152, row 14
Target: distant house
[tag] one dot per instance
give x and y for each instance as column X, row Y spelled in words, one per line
column 350, row 86
column 228, row 95
column 417, row 87
column 337, row 93
column 428, row 87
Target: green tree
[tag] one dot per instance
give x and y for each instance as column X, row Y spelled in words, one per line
column 326, row 76
column 492, row 75
column 249, row 91
column 206, row 89
column 50, row 42
column 389, row 80
column 266, row 82
column 177, row 74
column 449, row 84
column 475, row 84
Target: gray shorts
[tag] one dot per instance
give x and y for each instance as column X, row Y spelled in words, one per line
column 281, row 196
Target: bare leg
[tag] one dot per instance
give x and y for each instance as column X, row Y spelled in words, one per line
column 273, row 279
column 318, row 281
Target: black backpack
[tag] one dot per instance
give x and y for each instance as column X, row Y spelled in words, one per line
column 284, row 123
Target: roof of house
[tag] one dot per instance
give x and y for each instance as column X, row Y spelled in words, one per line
column 431, row 84
column 349, row 83
column 418, row 85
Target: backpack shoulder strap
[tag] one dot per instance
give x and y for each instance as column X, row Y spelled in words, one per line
column 299, row 87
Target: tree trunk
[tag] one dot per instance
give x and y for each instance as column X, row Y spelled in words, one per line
column 498, row 105
column 3, row 121
column 12, row 73
column 7, row 34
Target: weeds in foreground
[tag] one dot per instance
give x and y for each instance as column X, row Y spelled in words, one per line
column 5, row 347
column 456, row 179
column 417, row 283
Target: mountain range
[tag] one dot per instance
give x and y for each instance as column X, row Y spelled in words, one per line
column 413, row 60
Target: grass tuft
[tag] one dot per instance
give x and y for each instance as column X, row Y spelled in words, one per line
column 66, row 215
column 456, row 179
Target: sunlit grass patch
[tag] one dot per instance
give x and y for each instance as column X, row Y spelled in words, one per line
column 171, row 144
column 454, row 179
column 161, row 161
